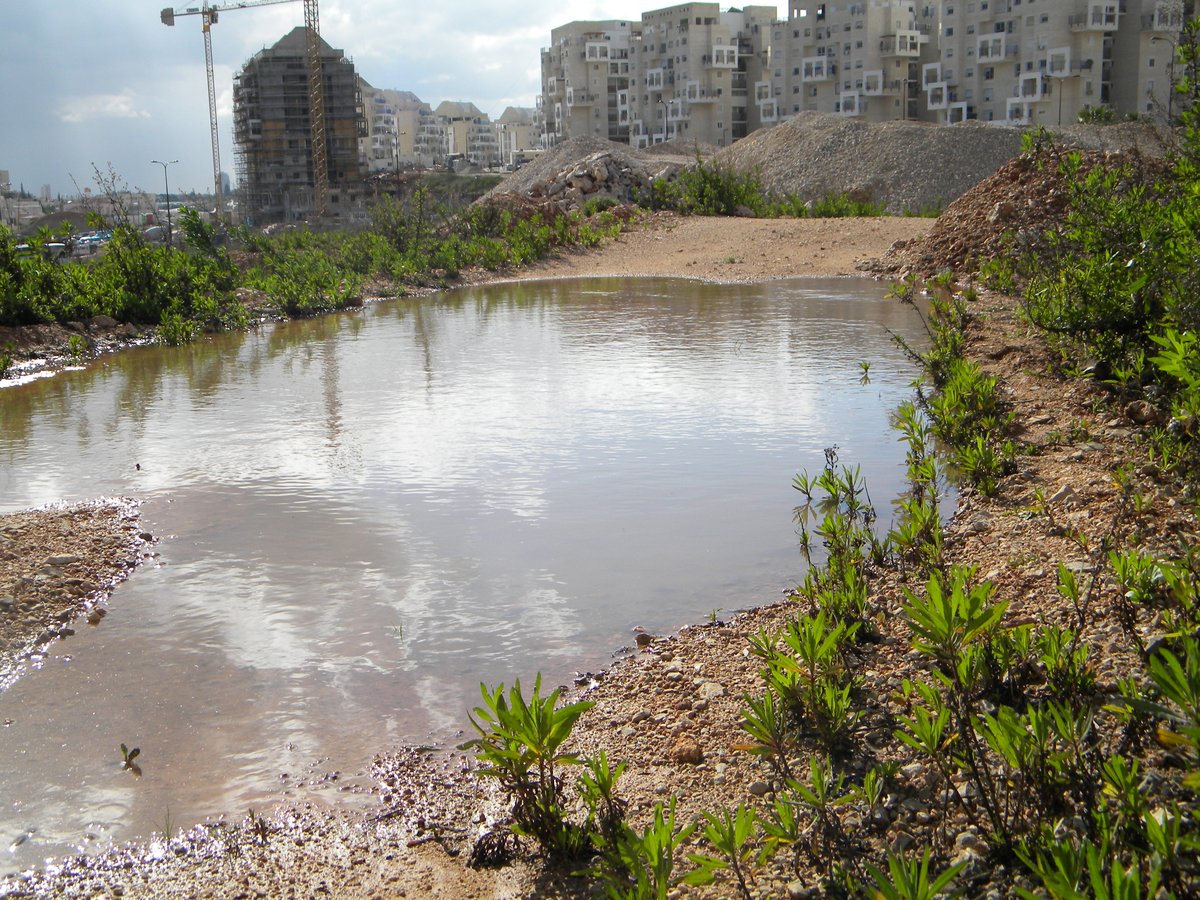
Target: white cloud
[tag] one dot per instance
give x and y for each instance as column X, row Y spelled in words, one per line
column 102, row 106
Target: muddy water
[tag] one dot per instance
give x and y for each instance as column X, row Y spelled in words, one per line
column 362, row 516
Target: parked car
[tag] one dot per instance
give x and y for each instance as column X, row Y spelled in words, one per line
column 52, row 251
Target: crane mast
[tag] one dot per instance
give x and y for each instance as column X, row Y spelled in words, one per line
column 316, row 108
column 316, row 91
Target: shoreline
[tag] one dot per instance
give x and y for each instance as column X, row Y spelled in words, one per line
column 672, row 711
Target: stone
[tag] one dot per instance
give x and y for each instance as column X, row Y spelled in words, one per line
column 1064, row 494
column 640, row 716
column 62, row 560
column 710, row 690
column 1141, row 412
column 643, row 640
column 686, row 750
column 759, row 788
column 901, row 842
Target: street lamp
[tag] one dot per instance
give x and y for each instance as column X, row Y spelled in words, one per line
column 167, row 191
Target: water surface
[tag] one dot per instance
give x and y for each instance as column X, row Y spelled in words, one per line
column 362, row 516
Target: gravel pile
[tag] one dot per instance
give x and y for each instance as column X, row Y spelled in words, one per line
column 907, row 166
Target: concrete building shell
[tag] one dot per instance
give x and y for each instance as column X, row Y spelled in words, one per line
column 272, row 139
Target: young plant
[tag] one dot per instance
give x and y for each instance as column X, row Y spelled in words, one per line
column 642, row 867
column 520, row 746
column 729, row 833
column 909, row 879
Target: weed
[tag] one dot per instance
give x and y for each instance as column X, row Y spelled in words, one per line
column 519, row 744
column 908, row 879
column 634, row 866
column 729, row 833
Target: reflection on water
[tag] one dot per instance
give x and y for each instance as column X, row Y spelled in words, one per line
column 362, row 516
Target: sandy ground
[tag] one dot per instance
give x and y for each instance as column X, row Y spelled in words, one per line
column 736, row 250
column 673, row 711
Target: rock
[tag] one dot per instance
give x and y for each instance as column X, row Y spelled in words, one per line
column 63, row 560
column 967, row 840
column 759, row 788
column 1065, row 494
column 901, row 842
column 980, row 524
column 640, row 716
column 710, row 690
column 1141, row 412
column 686, row 750
column 627, row 731
column 643, row 640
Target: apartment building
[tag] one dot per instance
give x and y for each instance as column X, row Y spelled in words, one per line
column 518, row 134
column 693, row 70
column 696, row 72
column 1019, row 61
column 686, row 71
column 860, row 59
column 272, row 134
column 584, row 71
column 469, row 134
column 396, row 122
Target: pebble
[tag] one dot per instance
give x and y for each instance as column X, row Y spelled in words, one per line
column 901, row 842
column 759, row 788
column 63, row 560
column 686, row 750
column 640, row 716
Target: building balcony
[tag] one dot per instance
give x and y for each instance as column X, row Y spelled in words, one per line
column 1101, row 15
column 903, row 44
column 1163, row 20
column 579, row 98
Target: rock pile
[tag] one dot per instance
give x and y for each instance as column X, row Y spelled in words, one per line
column 582, row 168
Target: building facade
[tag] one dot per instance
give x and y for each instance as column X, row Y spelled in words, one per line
column 396, row 122
column 518, row 134
column 272, row 132
column 693, row 72
column 584, row 70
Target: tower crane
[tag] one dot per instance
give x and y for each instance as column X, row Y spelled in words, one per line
column 208, row 13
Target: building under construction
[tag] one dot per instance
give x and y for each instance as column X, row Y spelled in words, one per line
column 272, row 132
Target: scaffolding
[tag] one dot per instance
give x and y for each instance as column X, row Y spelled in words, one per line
column 277, row 158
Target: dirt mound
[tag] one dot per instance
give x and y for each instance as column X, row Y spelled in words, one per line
column 1015, row 207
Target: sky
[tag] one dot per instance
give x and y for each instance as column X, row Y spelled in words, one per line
column 103, row 84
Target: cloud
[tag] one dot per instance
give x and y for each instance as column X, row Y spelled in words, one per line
column 102, row 106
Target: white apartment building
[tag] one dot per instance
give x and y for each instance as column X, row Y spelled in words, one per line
column 1019, row 61
column 687, row 71
column 860, row 59
column 518, row 133
column 695, row 72
column 395, row 123
column 469, row 134
column 584, row 70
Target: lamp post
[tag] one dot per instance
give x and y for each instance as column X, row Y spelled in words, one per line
column 1170, row 73
column 167, row 191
